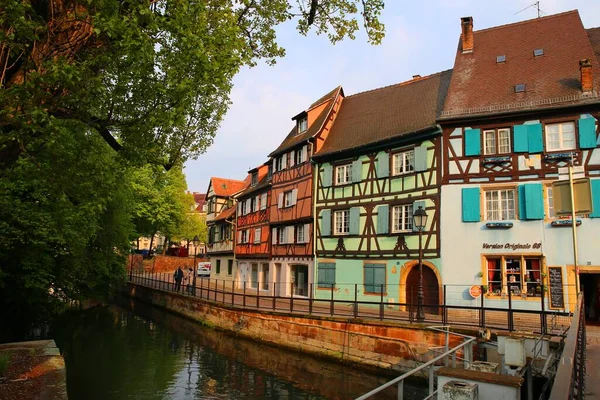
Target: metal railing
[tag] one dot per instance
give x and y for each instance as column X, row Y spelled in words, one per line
column 569, row 382
column 352, row 301
column 467, row 344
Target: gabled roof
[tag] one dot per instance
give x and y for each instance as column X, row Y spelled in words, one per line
column 480, row 85
column 227, row 187
column 594, row 36
column 225, row 214
column 263, row 181
column 293, row 139
column 387, row 113
column 199, row 199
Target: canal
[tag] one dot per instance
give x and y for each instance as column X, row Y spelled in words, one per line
column 134, row 351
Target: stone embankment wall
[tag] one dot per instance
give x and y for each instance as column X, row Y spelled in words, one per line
column 391, row 346
column 160, row 263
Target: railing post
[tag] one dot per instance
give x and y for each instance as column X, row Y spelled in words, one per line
column 244, row 299
column 216, row 289
column 482, row 310
column 445, row 309
column 274, row 294
column 311, row 298
column 543, row 314
column 381, row 304
column 257, row 296
column 331, row 302
column 468, row 353
column 431, row 379
column 292, row 297
column 510, row 313
column 400, row 390
column 409, row 301
column 223, row 291
column 447, row 345
column 356, row 302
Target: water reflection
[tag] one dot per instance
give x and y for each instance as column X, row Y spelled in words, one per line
column 114, row 353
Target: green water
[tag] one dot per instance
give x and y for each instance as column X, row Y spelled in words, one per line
column 133, row 351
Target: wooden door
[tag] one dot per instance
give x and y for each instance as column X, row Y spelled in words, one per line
column 431, row 289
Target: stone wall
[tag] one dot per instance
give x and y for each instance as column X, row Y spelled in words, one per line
column 160, row 263
column 391, row 346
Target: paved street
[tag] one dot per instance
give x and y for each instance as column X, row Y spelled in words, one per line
column 592, row 367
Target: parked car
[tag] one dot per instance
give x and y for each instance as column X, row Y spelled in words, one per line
column 204, row 269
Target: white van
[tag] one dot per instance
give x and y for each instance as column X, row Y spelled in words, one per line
column 204, row 269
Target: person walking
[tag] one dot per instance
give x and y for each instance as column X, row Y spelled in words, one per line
column 189, row 279
column 178, row 276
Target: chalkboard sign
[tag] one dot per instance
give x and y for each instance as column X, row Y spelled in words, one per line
column 557, row 297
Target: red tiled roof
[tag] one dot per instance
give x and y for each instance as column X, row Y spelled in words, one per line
column 293, row 139
column 199, row 199
column 226, row 187
column 225, row 214
column 387, row 113
column 480, row 85
column 594, row 36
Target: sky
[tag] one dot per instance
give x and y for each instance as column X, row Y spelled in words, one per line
column 421, row 39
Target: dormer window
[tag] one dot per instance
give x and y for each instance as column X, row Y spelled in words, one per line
column 500, row 59
column 520, row 87
column 302, row 124
column 538, row 52
column 270, row 173
column 254, row 178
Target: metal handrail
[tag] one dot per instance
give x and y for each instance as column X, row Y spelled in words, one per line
column 430, row 364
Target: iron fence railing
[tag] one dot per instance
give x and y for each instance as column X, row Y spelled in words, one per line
column 443, row 305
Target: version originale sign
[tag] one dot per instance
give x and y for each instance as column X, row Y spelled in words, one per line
column 512, row 246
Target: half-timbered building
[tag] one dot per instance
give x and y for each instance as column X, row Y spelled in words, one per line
column 291, row 207
column 522, row 103
column 253, row 246
column 380, row 163
column 220, row 221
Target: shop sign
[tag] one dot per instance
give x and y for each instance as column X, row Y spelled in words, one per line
column 475, row 291
column 512, row 246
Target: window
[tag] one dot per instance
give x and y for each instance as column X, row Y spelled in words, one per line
column 402, row 218
column 520, row 87
column 288, row 199
column 279, row 163
column 521, row 275
column 300, row 280
column 252, row 204
column 550, row 202
column 326, row 275
column 497, row 141
column 560, row 136
column 229, row 267
column 254, row 276
column 265, row 276
column 244, row 237
column 270, row 173
column 500, row 205
column 263, row 201
column 341, row 222
column 302, row 124
column 538, row 52
column 254, row 178
column 299, row 233
column 299, row 156
column 500, row 59
column 257, row 235
column 218, row 268
column 343, row 174
column 281, row 235
column 403, row 163
column 374, row 278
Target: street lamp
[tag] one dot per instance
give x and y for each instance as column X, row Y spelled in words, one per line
column 196, row 241
column 419, row 222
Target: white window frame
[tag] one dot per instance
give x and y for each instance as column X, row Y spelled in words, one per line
column 244, row 236
column 503, row 201
column 402, row 218
column 257, row 233
column 550, row 203
column 299, row 156
column 560, row 133
column 343, row 174
column 341, row 222
column 287, row 198
column 403, row 162
column 279, row 163
column 498, row 146
column 263, row 201
column 299, row 233
column 302, row 124
column 281, row 235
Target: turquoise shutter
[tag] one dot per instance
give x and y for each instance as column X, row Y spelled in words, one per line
column 534, row 201
column 520, row 138
column 379, row 278
column 354, row 223
column 326, row 223
column 369, row 278
column 326, row 175
column 420, row 158
column 595, row 187
column 472, row 142
column 470, row 205
column 356, row 171
column 587, row 133
column 535, row 142
column 383, row 165
column 416, row 205
column 522, row 207
column 383, row 219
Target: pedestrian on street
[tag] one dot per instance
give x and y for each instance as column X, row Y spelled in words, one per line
column 189, row 279
column 178, row 276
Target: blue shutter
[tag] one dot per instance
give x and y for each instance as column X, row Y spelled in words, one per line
column 383, row 219
column 416, row 205
column 587, row 133
column 379, row 278
column 354, row 223
column 383, row 165
column 369, row 278
column 421, row 158
column 326, row 223
column 470, row 205
column 357, row 171
column 535, row 143
column 595, row 187
column 522, row 206
column 520, row 138
column 326, row 175
column 534, row 201
column 472, row 142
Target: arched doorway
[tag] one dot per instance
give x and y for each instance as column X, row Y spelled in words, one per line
column 431, row 288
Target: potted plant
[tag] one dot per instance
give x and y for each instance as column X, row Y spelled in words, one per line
column 479, row 274
column 484, row 289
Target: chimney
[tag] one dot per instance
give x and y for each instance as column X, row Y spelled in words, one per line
column 585, row 68
column 416, row 76
column 467, row 34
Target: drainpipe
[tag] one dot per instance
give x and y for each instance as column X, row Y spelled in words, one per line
column 314, row 211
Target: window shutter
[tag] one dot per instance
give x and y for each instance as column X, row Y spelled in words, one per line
column 354, row 223
column 306, row 233
column 283, row 161
column 383, row 165
column 472, row 142
column 357, row 171
column 326, row 223
column 521, row 138
column 294, row 196
column 275, row 164
column 263, row 201
column 326, row 175
column 531, row 206
column 595, row 187
column 587, row 133
column 378, row 278
column 383, row 219
column 274, row 236
column 280, row 201
column 369, row 278
column 304, row 153
column 257, row 235
column 416, row 205
column 289, row 233
column 293, row 158
column 535, row 142
column 239, row 208
column 421, row 158
column 239, row 237
column 470, row 205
